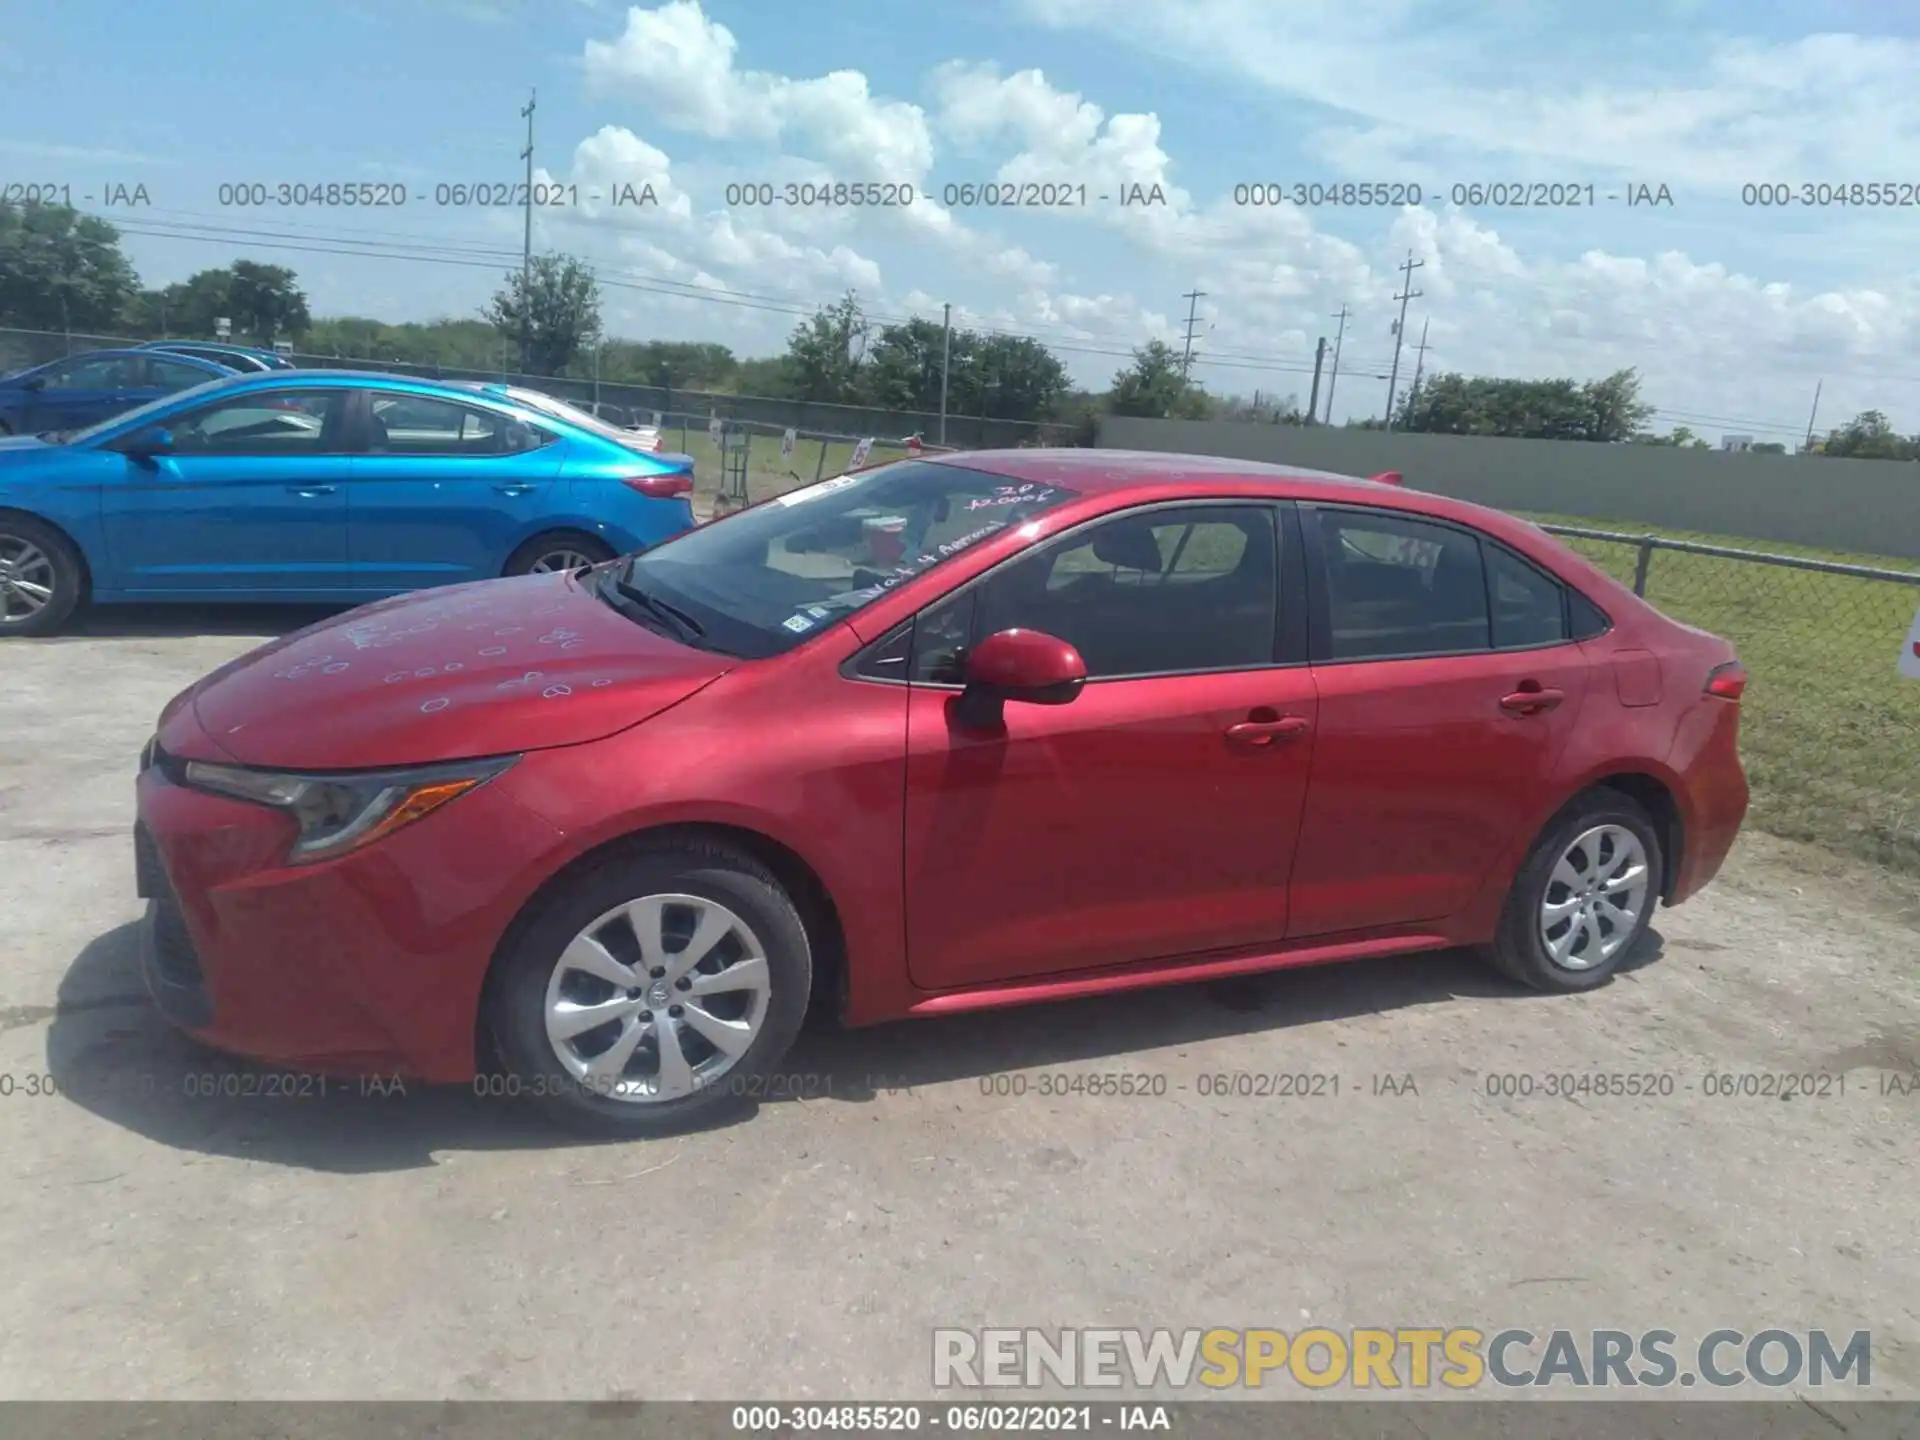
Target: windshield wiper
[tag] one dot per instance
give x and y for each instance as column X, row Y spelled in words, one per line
column 676, row 620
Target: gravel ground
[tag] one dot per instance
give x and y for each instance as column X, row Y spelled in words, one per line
column 436, row 1244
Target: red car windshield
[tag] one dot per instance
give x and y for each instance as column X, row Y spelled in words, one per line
column 763, row 580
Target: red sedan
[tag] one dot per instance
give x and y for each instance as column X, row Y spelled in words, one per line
column 949, row 733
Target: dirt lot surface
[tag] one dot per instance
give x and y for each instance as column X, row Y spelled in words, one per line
column 163, row 1243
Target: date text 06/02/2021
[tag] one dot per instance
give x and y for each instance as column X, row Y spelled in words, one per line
column 1466, row 194
column 461, row 194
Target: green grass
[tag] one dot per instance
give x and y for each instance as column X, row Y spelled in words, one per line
column 1830, row 730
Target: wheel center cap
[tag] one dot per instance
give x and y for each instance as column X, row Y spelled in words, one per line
column 658, row 994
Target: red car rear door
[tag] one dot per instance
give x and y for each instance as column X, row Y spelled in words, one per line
column 1448, row 685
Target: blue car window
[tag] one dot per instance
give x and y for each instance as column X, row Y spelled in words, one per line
column 111, row 372
column 423, row 425
column 262, row 423
column 170, row 375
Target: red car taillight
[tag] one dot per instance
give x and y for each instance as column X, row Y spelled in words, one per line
column 660, row 487
column 1728, row 681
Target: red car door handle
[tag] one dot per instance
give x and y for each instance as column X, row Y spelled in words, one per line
column 1265, row 732
column 1531, row 702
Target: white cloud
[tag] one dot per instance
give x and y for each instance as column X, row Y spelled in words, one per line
column 1064, row 138
column 621, row 168
column 1420, row 93
column 678, row 61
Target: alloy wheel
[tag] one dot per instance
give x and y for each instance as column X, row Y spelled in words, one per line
column 1596, row 894
column 26, row 579
column 558, row 560
column 657, row 998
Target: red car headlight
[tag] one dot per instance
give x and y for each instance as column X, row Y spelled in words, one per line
column 339, row 813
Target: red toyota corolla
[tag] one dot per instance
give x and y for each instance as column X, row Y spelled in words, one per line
column 945, row 734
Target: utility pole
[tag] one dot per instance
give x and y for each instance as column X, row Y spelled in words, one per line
column 1810, row 418
column 526, row 245
column 1193, row 299
column 1399, row 329
column 1339, row 335
column 946, row 363
column 1313, row 399
column 1419, row 359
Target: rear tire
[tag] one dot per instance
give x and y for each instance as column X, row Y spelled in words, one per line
column 556, row 550
column 1583, row 898
column 729, row 1008
column 42, row 579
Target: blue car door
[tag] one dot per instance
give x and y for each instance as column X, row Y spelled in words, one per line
column 444, row 490
column 79, row 392
column 249, row 503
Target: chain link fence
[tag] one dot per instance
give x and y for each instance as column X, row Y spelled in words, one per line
column 21, row 349
column 1830, row 730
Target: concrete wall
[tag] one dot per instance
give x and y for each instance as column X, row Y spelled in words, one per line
column 1870, row 506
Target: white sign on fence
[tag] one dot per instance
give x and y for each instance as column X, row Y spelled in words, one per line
column 713, row 429
column 860, row 453
column 659, row 421
column 787, row 439
column 1910, row 652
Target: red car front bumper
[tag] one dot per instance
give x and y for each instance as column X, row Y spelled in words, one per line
column 369, row 964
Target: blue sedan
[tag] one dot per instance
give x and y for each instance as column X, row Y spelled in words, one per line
column 321, row 486
column 84, row 389
column 242, row 358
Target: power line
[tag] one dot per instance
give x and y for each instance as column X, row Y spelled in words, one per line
column 471, row 256
column 467, row 254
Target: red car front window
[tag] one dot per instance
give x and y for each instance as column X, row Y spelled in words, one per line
column 767, row 578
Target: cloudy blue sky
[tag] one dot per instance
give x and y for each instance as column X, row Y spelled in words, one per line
column 1731, row 312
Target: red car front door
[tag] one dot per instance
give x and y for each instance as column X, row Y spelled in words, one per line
column 1143, row 820
column 1435, row 750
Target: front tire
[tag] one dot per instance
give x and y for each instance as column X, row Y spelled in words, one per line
column 558, row 550
column 1583, row 899
column 652, row 990
column 41, row 577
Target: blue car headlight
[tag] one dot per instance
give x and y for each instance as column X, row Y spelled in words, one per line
column 343, row 812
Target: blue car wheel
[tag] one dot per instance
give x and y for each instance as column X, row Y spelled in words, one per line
column 41, row 578
column 553, row 550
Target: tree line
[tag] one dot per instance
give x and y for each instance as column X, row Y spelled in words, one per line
column 64, row 271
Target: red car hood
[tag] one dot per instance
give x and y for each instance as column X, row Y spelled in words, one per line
column 482, row 669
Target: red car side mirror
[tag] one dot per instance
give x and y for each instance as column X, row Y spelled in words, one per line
column 1025, row 665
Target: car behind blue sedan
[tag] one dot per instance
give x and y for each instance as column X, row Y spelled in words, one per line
column 241, row 358
column 86, row 389
column 321, row 486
